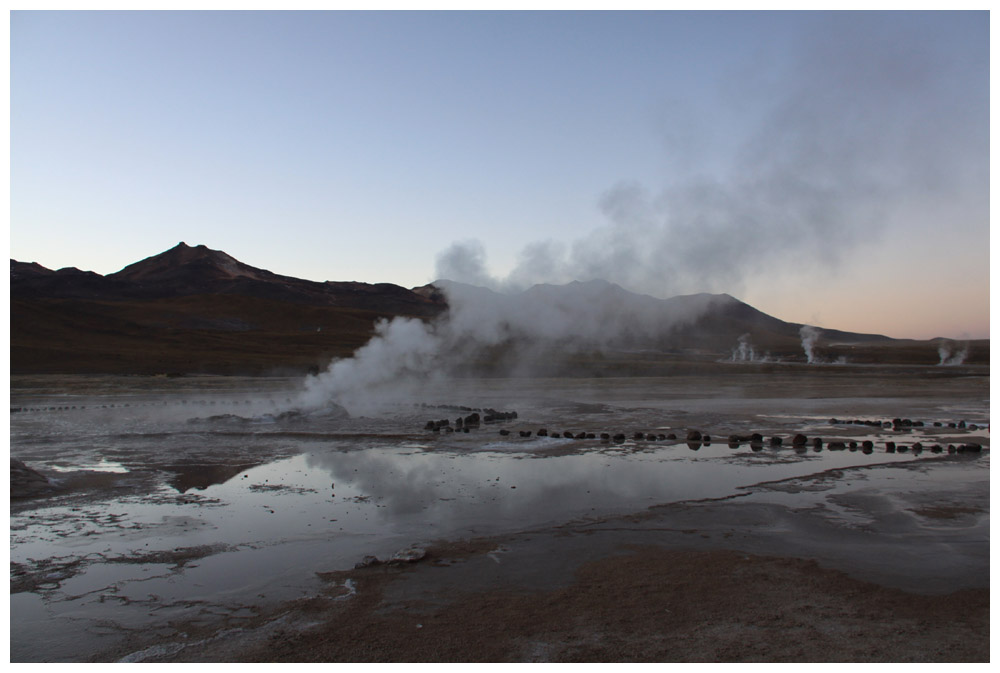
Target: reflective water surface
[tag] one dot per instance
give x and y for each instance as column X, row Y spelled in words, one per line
column 202, row 497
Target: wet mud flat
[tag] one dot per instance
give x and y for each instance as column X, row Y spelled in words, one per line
column 177, row 531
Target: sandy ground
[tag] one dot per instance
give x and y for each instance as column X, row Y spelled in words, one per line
column 883, row 562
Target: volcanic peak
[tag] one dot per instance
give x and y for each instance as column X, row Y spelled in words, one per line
column 183, row 261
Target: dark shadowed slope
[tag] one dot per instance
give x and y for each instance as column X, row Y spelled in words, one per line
column 198, row 310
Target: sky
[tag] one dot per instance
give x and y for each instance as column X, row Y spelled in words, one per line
column 827, row 168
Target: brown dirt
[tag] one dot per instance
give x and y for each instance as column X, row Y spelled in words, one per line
column 650, row 604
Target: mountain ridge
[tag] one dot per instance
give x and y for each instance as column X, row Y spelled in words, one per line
column 192, row 309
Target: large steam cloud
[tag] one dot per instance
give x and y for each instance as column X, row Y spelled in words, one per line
column 859, row 127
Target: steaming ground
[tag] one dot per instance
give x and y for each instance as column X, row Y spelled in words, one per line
column 191, row 513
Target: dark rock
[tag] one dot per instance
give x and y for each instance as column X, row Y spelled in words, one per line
column 26, row 482
column 693, row 436
column 367, row 562
column 408, row 555
column 542, row 432
column 799, row 440
column 775, row 441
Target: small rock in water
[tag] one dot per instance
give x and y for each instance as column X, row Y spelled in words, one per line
column 409, row 555
column 367, row 562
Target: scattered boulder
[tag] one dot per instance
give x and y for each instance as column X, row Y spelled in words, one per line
column 799, row 440
column 694, row 436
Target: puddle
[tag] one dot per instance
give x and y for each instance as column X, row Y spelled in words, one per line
column 214, row 516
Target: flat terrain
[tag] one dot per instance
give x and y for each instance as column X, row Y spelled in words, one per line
column 205, row 519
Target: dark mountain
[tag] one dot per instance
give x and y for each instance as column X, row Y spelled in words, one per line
column 193, row 310
column 184, row 271
column 197, row 310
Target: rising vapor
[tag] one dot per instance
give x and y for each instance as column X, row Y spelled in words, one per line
column 857, row 128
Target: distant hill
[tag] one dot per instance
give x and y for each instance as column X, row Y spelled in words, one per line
column 198, row 310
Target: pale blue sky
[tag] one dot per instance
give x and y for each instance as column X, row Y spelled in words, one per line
column 361, row 146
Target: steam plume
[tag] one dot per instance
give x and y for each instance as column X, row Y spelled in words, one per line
column 851, row 135
column 744, row 351
column 809, row 336
column 951, row 355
